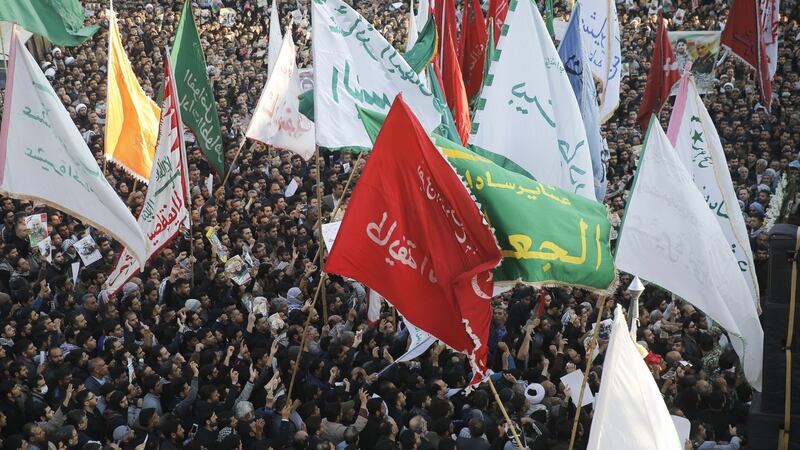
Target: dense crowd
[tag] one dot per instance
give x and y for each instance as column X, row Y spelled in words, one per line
column 183, row 357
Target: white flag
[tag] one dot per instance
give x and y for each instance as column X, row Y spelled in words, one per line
column 629, row 413
column 528, row 113
column 424, row 13
column 420, row 341
column 164, row 213
column 275, row 39
column 277, row 120
column 600, row 28
column 355, row 65
column 692, row 133
column 671, row 238
column 5, row 37
column 44, row 158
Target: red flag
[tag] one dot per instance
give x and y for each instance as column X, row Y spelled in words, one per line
column 663, row 74
column 450, row 70
column 498, row 9
column 742, row 35
column 542, row 303
column 472, row 51
column 413, row 233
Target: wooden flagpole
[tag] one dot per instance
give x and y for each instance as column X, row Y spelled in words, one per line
column 235, row 157
column 505, row 414
column 303, row 338
column 321, row 250
column 589, row 351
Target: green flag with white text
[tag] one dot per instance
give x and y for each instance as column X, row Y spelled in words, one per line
column 198, row 107
column 60, row 21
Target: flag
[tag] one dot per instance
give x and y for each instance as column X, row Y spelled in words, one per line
column 491, row 53
column 164, row 212
column 275, row 39
column 424, row 13
column 571, row 248
column 473, row 47
column 44, row 158
column 374, row 304
column 600, row 27
column 131, row 116
column 548, row 7
column 60, row 21
column 425, row 241
column 420, row 342
column 576, row 64
column 448, row 126
column 412, row 28
column 454, row 91
column 542, row 306
column 355, row 65
column 6, row 28
column 692, row 133
column 498, row 10
column 277, row 120
column 663, row 74
column 742, row 35
column 770, row 17
column 198, row 107
column 670, row 237
column 630, row 413
column 527, row 114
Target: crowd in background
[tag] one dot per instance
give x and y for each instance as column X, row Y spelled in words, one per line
column 184, row 357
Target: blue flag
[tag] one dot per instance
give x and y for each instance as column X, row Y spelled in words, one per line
column 575, row 61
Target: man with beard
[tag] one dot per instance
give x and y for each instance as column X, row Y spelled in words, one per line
column 10, row 397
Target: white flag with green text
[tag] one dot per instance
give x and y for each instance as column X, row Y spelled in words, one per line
column 355, row 65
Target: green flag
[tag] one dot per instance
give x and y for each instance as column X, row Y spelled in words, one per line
column 198, row 108
column 60, row 21
column 548, row 6
column 548, row 236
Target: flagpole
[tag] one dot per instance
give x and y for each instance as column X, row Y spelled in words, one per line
column 7, row 57
column 338, row 206
column 235, row 157
column 303, row 338
column 321, row 251
column 589, row 352
column 505, row 414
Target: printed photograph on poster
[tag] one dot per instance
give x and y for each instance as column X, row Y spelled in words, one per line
column 46, row 249
column 88, row 251
column 701, row 48
column 37, row 226
column 238, row 270
column 306, row 76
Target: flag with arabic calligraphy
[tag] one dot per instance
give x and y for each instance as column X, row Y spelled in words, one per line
column 277, row 120
column 692, row 133
column 164, row 213
column 44, row 158
column 670, row 237
column 473, row 47
column 527, row 115
column 498, row 10
column 571, row 248
column 600, row 28
column 577, row 65
column 426, row 247
column 354, row 65
column 663, row 74
column 770, row 18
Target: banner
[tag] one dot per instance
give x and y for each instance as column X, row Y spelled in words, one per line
column 600, row 27
column 355, row 65
column 701, row 49
column 697, row 142
column 277, row 120
column 164, row 213
column 527, row 114
column 44, row 158
column 60, row 21
column 670, row 237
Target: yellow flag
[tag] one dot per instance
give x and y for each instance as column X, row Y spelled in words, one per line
column 132, row 118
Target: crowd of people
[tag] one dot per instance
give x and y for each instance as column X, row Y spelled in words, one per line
column 184, row 357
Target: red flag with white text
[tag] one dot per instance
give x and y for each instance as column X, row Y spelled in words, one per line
column 413, row 233
column 164, row 213
column 743, row 36
column 498, row 10
column 663, row 74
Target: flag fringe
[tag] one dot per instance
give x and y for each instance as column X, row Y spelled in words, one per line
column 126, row 169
